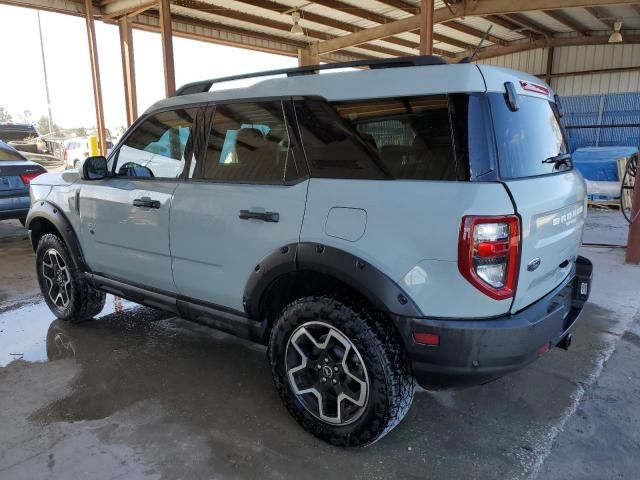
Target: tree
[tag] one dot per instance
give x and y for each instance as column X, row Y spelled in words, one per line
column 43, row 124
column 5, row 116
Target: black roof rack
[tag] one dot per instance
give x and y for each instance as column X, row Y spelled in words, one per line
column 415, row 61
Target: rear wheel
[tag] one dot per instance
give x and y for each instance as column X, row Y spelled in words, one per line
column 340, row 370
column 64, row 287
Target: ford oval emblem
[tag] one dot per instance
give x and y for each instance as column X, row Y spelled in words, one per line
column 533, row 264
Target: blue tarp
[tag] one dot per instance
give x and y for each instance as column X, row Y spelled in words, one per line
column 600, row 163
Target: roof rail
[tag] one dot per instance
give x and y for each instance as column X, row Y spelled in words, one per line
column 414, row 61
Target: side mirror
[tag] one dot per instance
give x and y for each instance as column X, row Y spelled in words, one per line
column 94, row 168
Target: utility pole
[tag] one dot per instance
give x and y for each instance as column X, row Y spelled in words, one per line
column 46, row 78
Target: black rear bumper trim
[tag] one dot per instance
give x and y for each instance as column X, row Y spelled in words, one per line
column 477, row 351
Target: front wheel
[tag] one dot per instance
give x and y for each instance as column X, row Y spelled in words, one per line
column 64, row 287
column 340, row 370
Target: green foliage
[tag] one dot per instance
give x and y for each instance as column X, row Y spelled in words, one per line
column 5, row 116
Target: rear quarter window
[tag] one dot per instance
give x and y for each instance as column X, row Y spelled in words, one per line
column 527, row 137
column 403, row 138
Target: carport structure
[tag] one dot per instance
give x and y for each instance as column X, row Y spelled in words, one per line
column 341, row 30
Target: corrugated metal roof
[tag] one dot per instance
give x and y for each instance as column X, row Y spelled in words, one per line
column 258, row 22
column 337, row 18
column 481, row 23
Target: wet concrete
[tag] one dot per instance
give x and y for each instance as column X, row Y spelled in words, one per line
column 141, row 394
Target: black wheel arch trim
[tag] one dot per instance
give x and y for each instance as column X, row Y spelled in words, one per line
column 374, row 285
column 53, row 214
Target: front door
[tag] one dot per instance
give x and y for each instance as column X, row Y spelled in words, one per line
column 125, row 217
column 244, row 200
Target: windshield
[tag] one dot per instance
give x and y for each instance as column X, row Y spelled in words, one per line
column 13, row 133
column 527, row 137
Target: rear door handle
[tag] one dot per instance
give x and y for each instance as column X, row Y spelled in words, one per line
column 146, row 203
column 264, row 216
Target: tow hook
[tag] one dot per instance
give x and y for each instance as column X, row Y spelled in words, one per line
column 565, row 343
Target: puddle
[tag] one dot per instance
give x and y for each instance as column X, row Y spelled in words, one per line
column 23, row 329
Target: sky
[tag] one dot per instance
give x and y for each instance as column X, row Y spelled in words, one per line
column 66, row 48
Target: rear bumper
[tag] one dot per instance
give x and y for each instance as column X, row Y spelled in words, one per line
column 477, row 351
column 14, row 207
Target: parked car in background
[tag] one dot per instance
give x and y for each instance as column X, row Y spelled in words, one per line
column 77, row 149
column 24, row 136
column 16, row 172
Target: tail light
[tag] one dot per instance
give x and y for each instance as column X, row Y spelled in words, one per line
column 489, row 252
column 27, row 177
column 65, row 155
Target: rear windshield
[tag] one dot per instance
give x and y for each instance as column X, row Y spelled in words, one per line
column 10, row 155
column 411, row 138
column 13, row 133
column 527, row 137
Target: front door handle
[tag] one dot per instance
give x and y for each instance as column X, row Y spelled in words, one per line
column 264, row 216
column 146, row 203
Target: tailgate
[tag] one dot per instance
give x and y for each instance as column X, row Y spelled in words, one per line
column 552, row 210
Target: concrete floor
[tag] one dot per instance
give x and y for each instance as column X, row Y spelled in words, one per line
column 140, row 394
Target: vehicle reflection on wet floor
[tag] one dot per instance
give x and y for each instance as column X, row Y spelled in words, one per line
column 24, row 327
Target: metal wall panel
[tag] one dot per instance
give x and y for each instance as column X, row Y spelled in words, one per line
column 530, row 61
column 581, row 58
column 595, row 110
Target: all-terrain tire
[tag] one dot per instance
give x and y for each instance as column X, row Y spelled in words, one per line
column 391, row 382
column 83, row 301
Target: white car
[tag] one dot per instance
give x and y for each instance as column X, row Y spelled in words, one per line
column 77, row 149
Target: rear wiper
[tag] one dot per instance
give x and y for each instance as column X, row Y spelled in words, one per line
column 558, row 159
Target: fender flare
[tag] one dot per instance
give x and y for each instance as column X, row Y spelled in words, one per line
column 52, row 213
column 374, row 285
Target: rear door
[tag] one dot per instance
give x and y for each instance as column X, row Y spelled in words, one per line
column 245, row 199
column 549, row 196
column 125, row 217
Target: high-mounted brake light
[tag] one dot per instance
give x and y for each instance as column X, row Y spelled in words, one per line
column 489, row 252
column 27, row 177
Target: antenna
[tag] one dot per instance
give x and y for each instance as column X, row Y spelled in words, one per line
column 469, row 58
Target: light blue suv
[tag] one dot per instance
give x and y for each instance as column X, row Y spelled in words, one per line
column 410, row 222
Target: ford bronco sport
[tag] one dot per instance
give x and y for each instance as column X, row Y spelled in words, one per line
column 413, row 222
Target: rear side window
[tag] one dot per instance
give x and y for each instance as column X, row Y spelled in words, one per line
column 156, row 147
column 527, row 137
column 416, row 138
column 248, row 143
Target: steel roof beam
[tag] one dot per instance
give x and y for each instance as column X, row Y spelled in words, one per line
column 485, row 7
column 529, row 24
column 561, row 17
column 601, row 16
column 550, row 42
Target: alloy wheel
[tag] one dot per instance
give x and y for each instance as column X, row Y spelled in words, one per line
column 58, row 278
column 327, row 373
